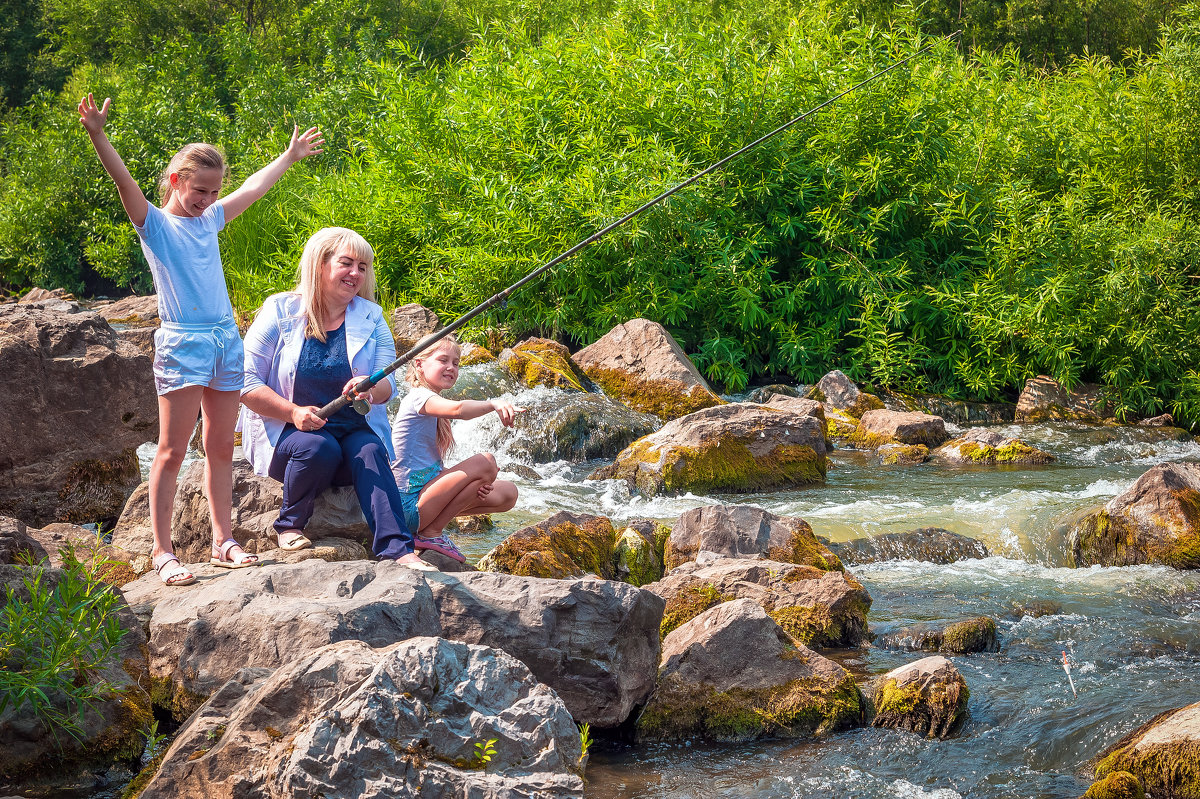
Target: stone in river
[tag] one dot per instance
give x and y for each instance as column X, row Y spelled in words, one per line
column 989, row 448
column 877, row 428
column 1163, row 754
column 928, row 697
column 741, row 531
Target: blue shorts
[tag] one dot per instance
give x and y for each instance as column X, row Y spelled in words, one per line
column 207, row 355
column 412, row 492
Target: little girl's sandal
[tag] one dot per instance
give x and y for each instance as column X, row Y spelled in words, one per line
column 222, row 556
column 171, row 571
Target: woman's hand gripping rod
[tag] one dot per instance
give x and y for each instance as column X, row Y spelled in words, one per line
column 367, row 383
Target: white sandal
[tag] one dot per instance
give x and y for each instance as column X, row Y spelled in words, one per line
column 221, row 557
column 176, row 574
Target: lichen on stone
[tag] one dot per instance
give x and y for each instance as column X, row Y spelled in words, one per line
column 666, row 399
column 691, row 600
column 1117, row 785
column 972, row 635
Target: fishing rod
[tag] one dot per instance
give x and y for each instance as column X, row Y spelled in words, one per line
column 501, row 298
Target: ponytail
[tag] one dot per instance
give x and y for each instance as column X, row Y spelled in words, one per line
column 187, row 162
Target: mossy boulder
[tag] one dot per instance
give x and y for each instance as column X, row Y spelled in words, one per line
column 839, row 426
column 1156, row 521
column 575, row 428
column 928, row 544
column 928, row 697
column 744, row 531
column 818, row 608
column 473, row 355
column 877, row 428
column 1044, row 399
column 542, row 362
column 637, row 563
column 837, row 391
column 708, row 688
column 1163, row 755
column 989, row 448
column 902, row 454
column 1117, row 785
column 564, row 545
column 736, row 448
column 960, row 638
column 640, row 364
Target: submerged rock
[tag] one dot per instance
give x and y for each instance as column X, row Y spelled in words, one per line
column 708, row 687
column 575, row 428
column 542, row 362
column 64, row 455
column 839, row 392
column 877, row 428
column 928, row 697
column 744, row 531
column 640, row 364
column 734, row 448
column 959, row 638
column 595, row 642
column 564, row 545
column 411, row 323
column 929, row 544
column 1155, row 521
column 1044, row 399
column 989, row 448
column 1163, row 754
column 37, row 750
column 404, row 720
column 817, row 608
column 256, row 503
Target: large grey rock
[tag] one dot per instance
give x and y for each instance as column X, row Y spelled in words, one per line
column 732, row 674
column 595, row 642
column 744, row 531
column 1156, row 521
column 81, row 401
column 32, row 749
column 1045, row 399
column 817, row 608
column 265, row 616
column 576, row 428
column 640, row 364
column 1163, row 754
column 989, row 448
column 411, row 323
column 928, row 697
column 877, row 428
column 735, row 448
column 351, row 721
column 929, row 544
column 256, row 503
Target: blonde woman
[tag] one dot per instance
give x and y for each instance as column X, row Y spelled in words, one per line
column 307, row 347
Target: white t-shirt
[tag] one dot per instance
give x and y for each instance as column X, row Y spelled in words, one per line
column 185, row 262
column 414, row 438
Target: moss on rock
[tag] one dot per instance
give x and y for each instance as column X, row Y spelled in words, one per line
column 97, row 489
column 804, row 549
column 972, row 635
column 1117, row 785
column 636, row 561
column 542, row 362
column 1165, row 765
column 903, row 454
column 565, row 545
column 691, row 600
column 666, row 399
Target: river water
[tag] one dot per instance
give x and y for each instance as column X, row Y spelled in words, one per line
column 1133, row 634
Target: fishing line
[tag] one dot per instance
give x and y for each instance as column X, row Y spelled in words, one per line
column 501, row 299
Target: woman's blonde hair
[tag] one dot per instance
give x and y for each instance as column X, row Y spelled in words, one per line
column 445, row 436
column 318, row 251
column 187, row 162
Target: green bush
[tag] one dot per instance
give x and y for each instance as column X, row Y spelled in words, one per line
column 56, row 633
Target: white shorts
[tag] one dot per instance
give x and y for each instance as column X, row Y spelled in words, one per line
column 207, row 355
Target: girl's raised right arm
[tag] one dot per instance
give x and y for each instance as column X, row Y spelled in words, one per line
column 93, row 119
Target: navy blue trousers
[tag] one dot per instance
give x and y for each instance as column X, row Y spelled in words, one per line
column 309, row 462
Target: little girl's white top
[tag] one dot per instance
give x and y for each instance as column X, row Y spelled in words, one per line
column 185, row 262
column 414, row 437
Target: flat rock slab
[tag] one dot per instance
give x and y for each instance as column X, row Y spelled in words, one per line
column 928, row 544
column 348, row 720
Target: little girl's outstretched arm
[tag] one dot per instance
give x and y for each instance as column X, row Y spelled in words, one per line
column 93, row 119
column 471, row 409
column 302, row 145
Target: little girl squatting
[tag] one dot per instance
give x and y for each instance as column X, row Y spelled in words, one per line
column 431, row 493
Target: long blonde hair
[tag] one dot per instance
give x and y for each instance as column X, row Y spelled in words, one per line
column 445, row 436
column 320, row 248
column 188, row 161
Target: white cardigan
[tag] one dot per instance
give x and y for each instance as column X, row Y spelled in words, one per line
column 273, row 344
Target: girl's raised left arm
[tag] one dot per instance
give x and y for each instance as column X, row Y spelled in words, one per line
column 302, row 145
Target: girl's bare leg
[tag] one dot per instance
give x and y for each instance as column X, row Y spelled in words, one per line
column 220, row 416
column 176, row 419
column 456, row 491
